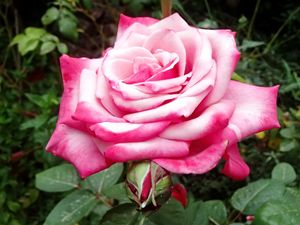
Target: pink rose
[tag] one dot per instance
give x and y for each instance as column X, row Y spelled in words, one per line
column 163, row 93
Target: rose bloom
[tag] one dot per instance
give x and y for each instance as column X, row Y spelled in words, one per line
column 163, row 93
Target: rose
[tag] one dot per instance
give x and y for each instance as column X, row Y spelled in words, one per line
column 163, row 93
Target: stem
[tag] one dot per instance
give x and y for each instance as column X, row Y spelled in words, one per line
column 166, row 7
column 267, row 49
column 253, row 19
column 208, row 10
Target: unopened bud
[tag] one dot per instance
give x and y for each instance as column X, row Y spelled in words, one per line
column 148, row 184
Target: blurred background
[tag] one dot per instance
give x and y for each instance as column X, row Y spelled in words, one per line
column 34, row 33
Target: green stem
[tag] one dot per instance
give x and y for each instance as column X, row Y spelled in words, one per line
column 208, row 10
column 269, row 45
column 253, row 19
column 166, row 7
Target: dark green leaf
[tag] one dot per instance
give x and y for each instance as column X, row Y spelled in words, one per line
column 36, row 122
column 87, row 4
column 47, row 47
column 57, row 179
column 125, row 214
column 13, row 206
column 105, row 179
column 171, row 212
column 248, row 44
column 248, row 199
column 117, row 192
column 216, row 211
column 195, row 214
column 284, row 172
column 72, row 208
column 68, row 27
column 50, row 16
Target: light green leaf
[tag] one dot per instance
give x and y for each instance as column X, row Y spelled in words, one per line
column 105, row 179
column 62, row 48
column 287, row 145
column 36, row 122
column 35, row 32
column 248, row 44
column 57, row 179
column 248, row 199
column 47, row 47
column 216, row 211
column 27, row 45
column 17, row 39
column 50, row 16
column 284, row 172
column 72, row 208
column 285, row 211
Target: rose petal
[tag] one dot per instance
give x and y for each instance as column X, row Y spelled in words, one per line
column 199, row 163
column 125, row 22
column 180, row 194
column 78, row 148
column 153, row 148
column 226, row 57
column 173, row 22
column 141, row 104
column 255, row 108
column 71, row 70
column 214, row 118
column 180, row 107
column 128, row 132
column 167, row 40
column 235, row 167
column 89, row 109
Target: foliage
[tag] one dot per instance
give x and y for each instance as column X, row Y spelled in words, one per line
column 30, row 85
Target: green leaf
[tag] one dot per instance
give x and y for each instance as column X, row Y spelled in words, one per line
column 125, row 214
column 68, row 28
column 36, row 122
column 284, row 172
column 248, row 44
column 290, row 132
column 216, row 211
column 72, row 208
column 47, row 47
column 101, row 209
column 17, row 39
column 35, row 32
column 280, row 212
column 50, row 37
column 237, row 77
column 171, row 212
column 117, row 192
column 88, row 4
column 13, row 206
column 248, row 199
column 62, row 48
column 287, row 145
column 196, row 214
column 105, row 179
column 57, row 179
column 27, row 45
column 50, row 16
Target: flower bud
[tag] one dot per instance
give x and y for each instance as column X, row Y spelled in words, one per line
column 148, row 184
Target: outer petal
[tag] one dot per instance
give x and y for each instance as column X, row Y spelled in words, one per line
column 173, row 22
column 255, row 108
column 235, row 167
column 213, row 119
column 226, row 57
column 199, row 163
column 77, row 148
column 127, row 132
column 71, row 69
column 154, row 148
column 125, row 22
column 89, row 108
